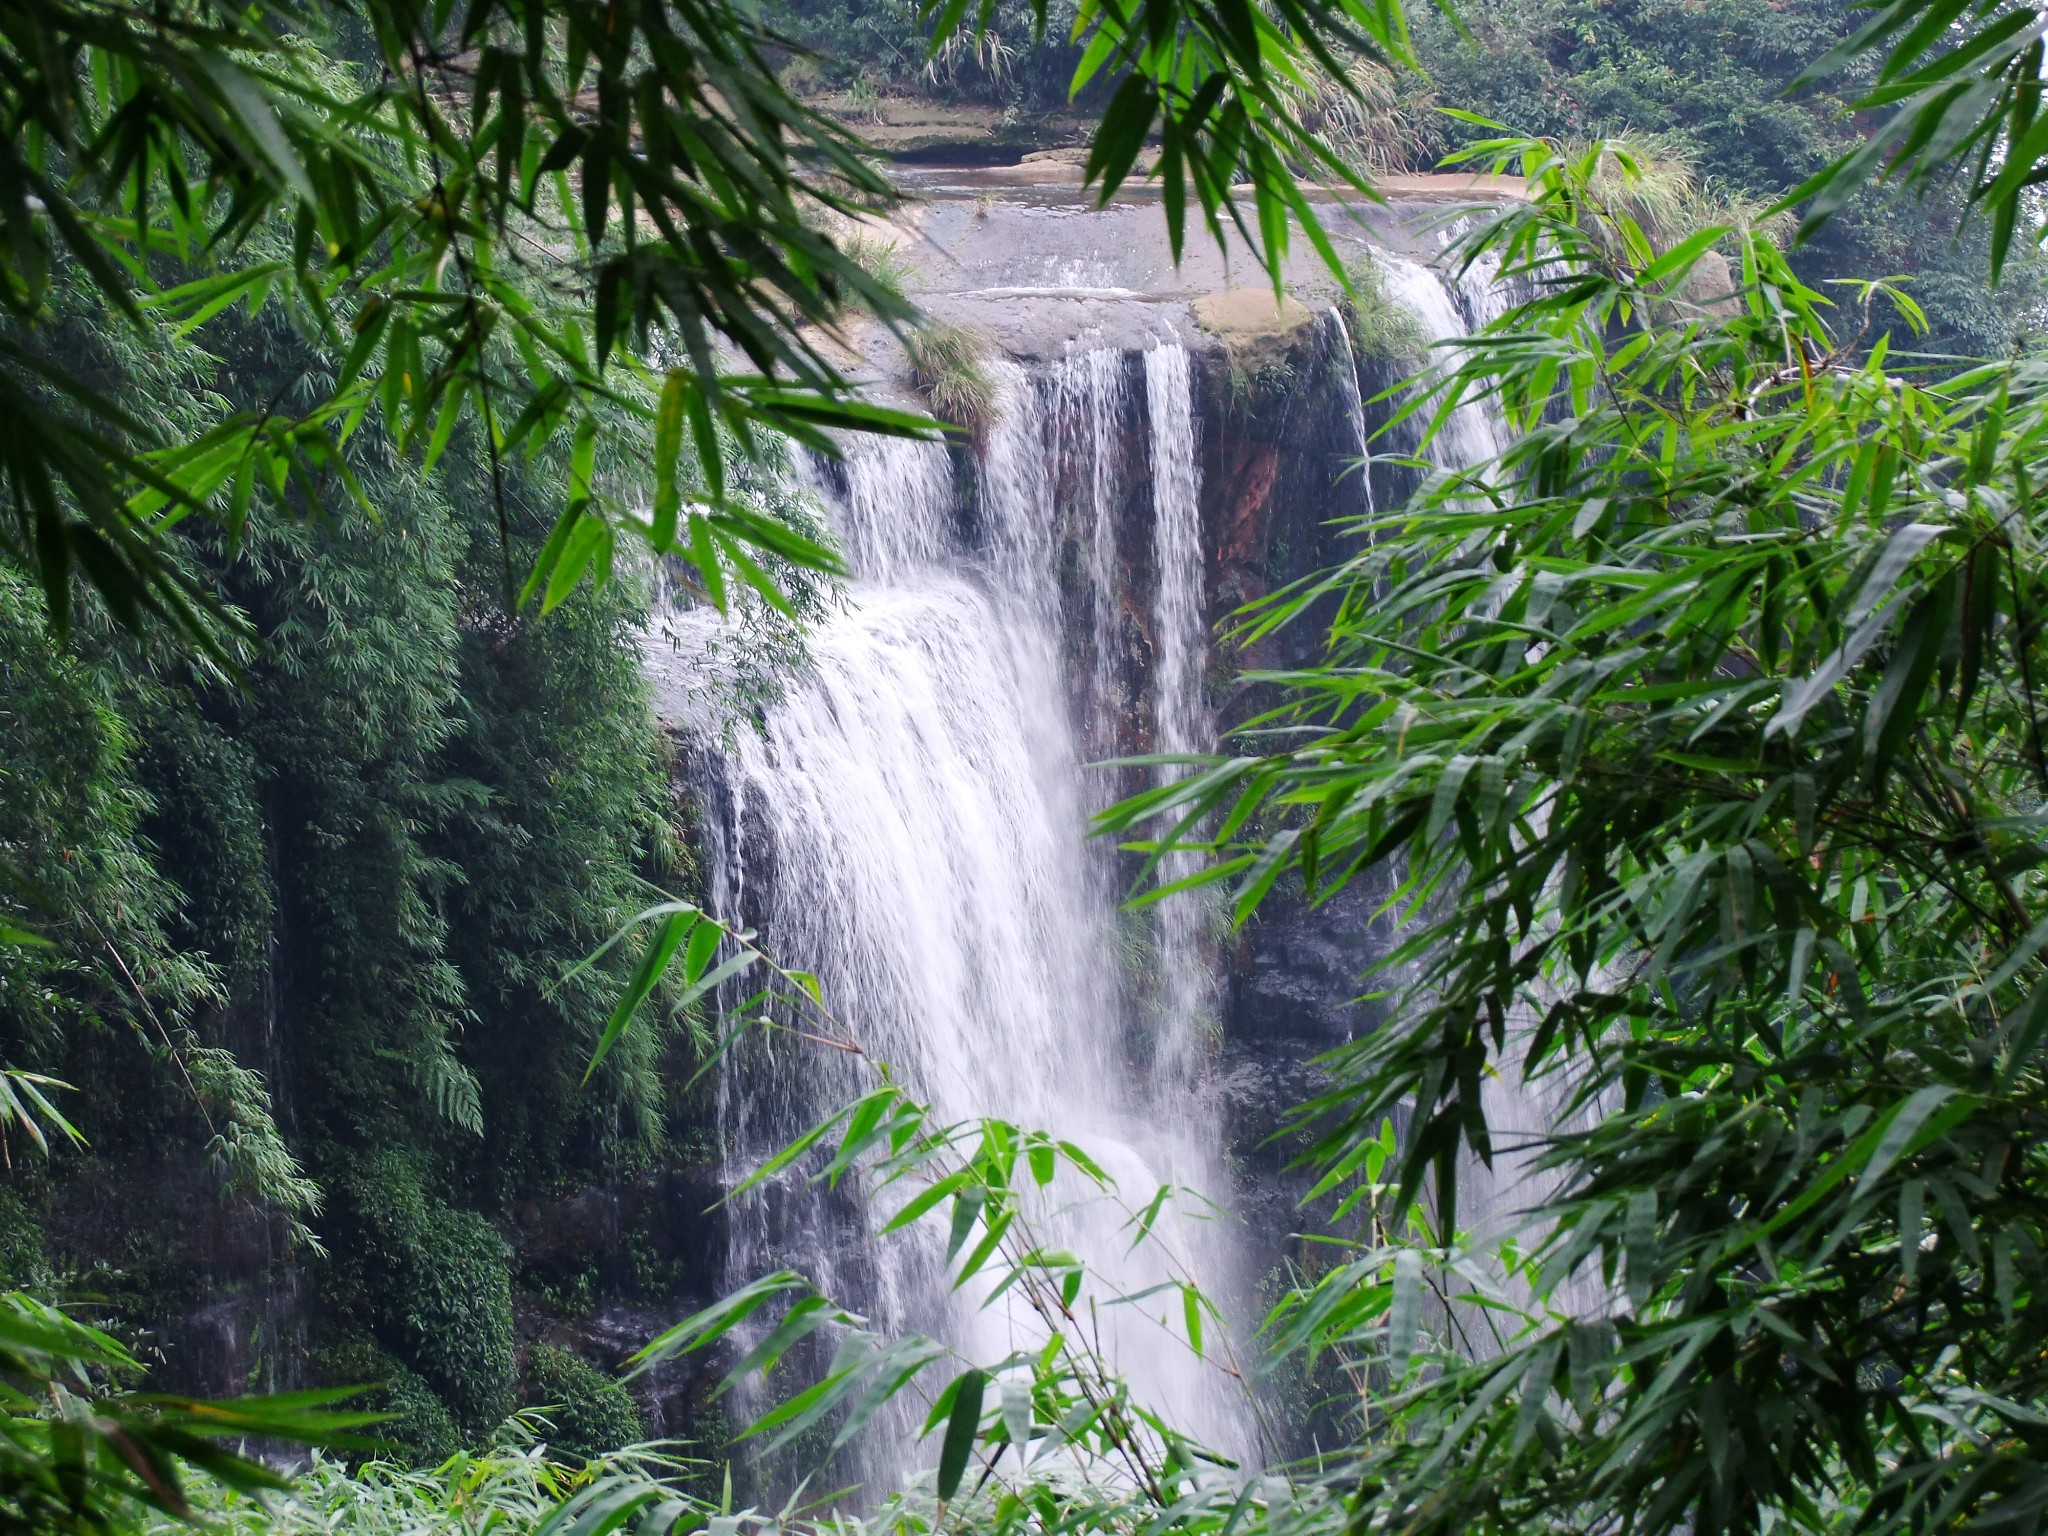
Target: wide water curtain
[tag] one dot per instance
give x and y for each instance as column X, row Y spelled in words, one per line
column 910, row 824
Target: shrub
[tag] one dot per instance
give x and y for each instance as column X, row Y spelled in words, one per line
column 435, row 1284
column 23, row 1264
column 591, row 1412
column 420, row 1425
column 949, row 364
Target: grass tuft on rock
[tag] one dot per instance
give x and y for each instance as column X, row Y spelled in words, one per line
column 949, row 366
column 1383, row 329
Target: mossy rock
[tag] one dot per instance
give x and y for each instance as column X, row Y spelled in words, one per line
column 1264, row 340
column 590, row 1411
column 1712, row 287
column 1258, row 332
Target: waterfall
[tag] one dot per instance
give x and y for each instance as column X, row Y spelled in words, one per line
column 909, row 825
column 1471, row 435
column 1179, row 646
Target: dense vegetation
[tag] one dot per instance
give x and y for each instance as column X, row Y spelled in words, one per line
column 338, row 347
column 359, row 867
column 1717, row 85
column 1699, row 731
column 1698, row 735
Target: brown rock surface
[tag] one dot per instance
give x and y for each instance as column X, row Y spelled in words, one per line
column 1249, row 314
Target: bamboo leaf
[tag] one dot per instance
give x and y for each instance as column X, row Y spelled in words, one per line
column 668, row 937
column 962, row 1429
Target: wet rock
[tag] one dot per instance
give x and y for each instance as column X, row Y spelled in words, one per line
column 213, row 1283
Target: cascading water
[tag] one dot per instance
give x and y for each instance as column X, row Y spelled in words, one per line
column 1088, row 404
column 1180, row 724
column 893, row 516
column 908, row 824
column 1346, row 372
column 1520, row 1114
column 1471, row 435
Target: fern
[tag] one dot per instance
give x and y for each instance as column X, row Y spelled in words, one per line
column 449, row 1086
column 246, row 1152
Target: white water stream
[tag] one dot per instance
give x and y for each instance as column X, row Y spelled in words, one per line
column 909, row 824
column 1472, row 434
column 1187, row 964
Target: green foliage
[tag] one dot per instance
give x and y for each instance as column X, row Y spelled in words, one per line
column 992, row 1182
column 742, row 666
column 23, row 1263
column 411, row 268
column 74, row 813
column 591, row 1413
column 866, row 45
column 1699, row 730
column 1962, row 85
column 512, row 1487
column 878, row 256
column 419, row 1424
column 949, row 363
column 245, row 1150
column 1698, row 736
column 1261, row 378
column 990, row 1178
column 368, row 864
column 1715, row 80
column 685, row 202
column 70, row 816
column 1382, row 329
column 1379, row 121
column 81, row 1452
column 449, row 1315
column 205, row 821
